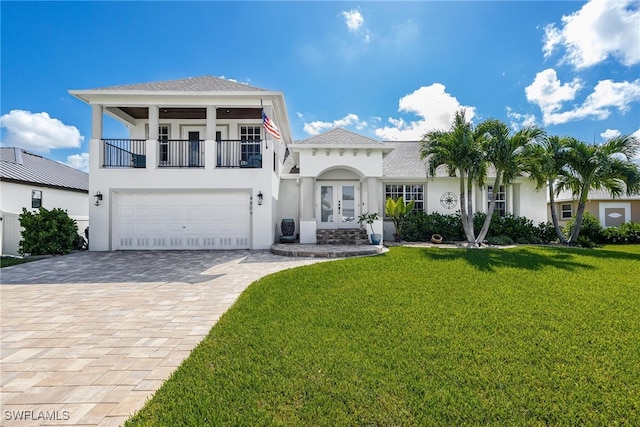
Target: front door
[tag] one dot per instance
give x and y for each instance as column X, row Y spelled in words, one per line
column 338, row 204
column 194, row 149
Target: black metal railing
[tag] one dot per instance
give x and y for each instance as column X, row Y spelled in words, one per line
column 179, row 153
column 239, row 154
column 124, row 153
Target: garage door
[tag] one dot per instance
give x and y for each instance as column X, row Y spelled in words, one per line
column 172, row 220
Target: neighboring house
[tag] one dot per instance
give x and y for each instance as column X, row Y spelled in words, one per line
column 609, row 211
column 199, row 171
column 31, row 181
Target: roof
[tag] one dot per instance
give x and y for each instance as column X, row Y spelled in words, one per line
column 404, row 161
column 191, row 84
column 17, row 165
column 340, row 136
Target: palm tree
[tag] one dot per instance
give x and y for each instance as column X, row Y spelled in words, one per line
column 599, row 167
column 459, row 151
column 507, row 153
column 545, row 162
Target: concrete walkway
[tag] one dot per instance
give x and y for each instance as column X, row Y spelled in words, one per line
column 87, row 338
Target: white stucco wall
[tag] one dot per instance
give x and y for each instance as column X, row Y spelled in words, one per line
column 16, row 196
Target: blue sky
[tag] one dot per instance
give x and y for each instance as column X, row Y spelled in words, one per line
column 388, row 70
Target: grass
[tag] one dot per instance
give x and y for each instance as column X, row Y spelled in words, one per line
column 422, row 336
column 9, row 261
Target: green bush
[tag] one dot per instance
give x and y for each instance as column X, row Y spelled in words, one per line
column 591, row 229
column 499, row 240
column 419, row 227
column 47, row 232
column 629, row 232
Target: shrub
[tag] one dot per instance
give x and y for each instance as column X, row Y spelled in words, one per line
column 546, row 232
column 499, row 240
column 591, row 229
column 629, row 232
column 47, row 232
column 419, row 226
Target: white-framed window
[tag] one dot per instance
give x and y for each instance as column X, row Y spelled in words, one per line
column 501, row 200
column 566, row 211
column 250, row 133
column 408, row 192
column 36, row 199
column 250, row 153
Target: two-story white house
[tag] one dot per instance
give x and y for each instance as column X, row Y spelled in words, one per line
column 199, row 171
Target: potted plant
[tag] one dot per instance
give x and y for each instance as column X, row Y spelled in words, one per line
column 369, row 218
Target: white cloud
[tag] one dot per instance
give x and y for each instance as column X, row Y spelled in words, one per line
column 610, row 133
column 601, row 28
column 79, row 161
column 549, row 94
column 355, row 23
column 353, row 18
column 314, row 128
column 435, row 108
column 520, row 120
column 38, row 132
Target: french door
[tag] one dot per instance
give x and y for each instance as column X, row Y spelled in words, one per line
column 338, row 204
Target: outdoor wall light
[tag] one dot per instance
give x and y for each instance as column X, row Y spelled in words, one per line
column 98, row 197
column 260, row 197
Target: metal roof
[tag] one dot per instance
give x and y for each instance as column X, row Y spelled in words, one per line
column 191, row 84
column 17, row 165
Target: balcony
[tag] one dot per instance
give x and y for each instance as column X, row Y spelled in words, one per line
column 124, row 153
column 131, row 153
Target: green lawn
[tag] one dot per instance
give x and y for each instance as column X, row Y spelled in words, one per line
column 423, row 336
column 9, row 261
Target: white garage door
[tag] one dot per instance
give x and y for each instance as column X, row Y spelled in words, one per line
column 190, row 220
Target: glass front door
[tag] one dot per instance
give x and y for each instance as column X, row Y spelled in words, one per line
column 338, row 205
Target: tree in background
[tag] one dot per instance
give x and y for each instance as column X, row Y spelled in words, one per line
column 608, row 167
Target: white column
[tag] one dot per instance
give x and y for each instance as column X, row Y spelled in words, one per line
column 96, row 121
column 210, row 145
column 154, row 122
column 152, row 141
column 307, row 214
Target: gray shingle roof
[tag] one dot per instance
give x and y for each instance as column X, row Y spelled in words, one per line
column 18, row 165
column 191, row 84
column 339, row 136
column 404, row 161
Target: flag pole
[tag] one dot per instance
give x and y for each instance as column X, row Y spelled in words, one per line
column 266, row 146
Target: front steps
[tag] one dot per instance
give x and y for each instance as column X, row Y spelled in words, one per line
column 345, row 236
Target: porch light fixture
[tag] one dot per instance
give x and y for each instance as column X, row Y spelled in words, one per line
column 98, row 197
column 260, row 197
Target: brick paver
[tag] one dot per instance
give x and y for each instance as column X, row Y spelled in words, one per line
column 87, row 338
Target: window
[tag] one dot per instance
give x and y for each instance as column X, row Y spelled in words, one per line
column 565, row 211
column 408, row 192
column 36, row 199
column 501, row 200
column 163, row 138
column 250, row 146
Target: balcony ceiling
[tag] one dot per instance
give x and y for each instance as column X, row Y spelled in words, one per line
column 195, row 113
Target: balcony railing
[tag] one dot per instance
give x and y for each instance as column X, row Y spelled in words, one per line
column 239, row 154
column 124, row 153
column 172, row 153
column 178, row 153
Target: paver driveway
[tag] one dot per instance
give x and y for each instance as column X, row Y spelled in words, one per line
column 87, row 338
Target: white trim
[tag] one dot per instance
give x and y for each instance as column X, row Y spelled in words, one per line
column 624, row 205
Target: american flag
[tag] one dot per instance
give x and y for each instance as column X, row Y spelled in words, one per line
column 269, row 126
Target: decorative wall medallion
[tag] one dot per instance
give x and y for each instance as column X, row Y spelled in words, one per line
column 614, row 215
column 449, row 200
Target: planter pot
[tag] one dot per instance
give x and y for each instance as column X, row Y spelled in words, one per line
column 436, row 238
column 376, row 238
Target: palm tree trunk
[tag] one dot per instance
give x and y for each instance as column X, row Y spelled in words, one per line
column 554, row 215
column 463, row 208
column 491, row 210
column 471, row 235
column 579, row 213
